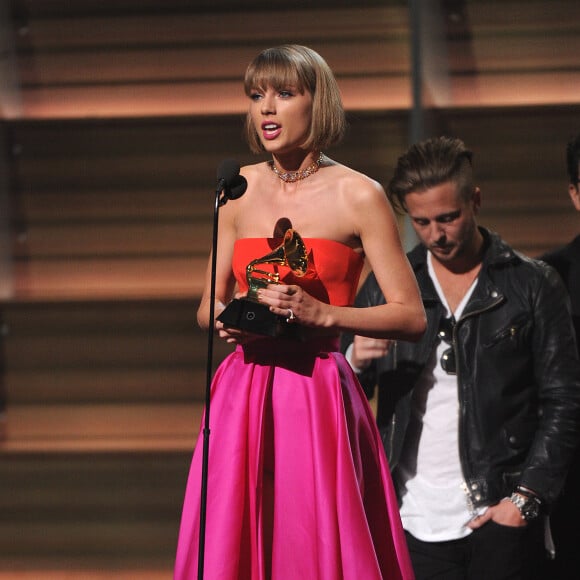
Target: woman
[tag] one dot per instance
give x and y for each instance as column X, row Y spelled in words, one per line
column 298, row 483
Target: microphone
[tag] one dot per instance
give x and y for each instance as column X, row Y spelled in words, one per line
column 230, row 182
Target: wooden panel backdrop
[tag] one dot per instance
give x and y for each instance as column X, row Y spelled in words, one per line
column 126, row 109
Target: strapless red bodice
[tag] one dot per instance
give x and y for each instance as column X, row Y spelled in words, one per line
column 333, row 268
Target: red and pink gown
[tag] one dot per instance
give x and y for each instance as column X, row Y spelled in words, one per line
column 298, row 483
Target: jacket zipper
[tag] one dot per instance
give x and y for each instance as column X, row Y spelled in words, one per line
column 462, row 435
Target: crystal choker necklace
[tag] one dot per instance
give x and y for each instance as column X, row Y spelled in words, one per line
column 291, row 176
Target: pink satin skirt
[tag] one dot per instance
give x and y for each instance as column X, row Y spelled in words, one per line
column 298, row 483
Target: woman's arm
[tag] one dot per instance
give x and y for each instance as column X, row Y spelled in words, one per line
column 224, row 281
column 365, row 208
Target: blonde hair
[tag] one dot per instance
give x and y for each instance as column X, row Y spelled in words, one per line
column 431, row 163
column 292, row 65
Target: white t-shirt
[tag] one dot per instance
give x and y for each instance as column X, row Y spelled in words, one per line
column 434, row 501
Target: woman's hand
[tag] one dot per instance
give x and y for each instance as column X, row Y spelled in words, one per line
column 233, row 335
column 293, row 303
column 230, row 334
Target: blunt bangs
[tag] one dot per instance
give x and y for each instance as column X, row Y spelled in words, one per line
column 279, row 68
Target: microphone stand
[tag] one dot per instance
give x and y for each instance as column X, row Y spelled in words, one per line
column 219, row 201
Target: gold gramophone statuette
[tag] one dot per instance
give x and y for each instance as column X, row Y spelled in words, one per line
column 247, row 313
column 291, row 253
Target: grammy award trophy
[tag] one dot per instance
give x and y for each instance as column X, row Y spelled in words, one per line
column 247, row 313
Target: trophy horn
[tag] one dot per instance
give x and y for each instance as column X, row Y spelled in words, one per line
column 296, row 256
column 291, row 252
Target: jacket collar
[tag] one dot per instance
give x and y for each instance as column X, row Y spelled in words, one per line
column 496, row 253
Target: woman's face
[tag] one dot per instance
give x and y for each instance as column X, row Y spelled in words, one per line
column 282, row 117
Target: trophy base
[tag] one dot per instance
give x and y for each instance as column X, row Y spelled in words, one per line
column 253, row 317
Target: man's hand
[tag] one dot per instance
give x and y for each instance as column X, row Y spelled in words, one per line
column 365, row 350
column 504, row 513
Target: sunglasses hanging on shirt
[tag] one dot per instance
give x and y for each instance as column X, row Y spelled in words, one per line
column 445, row 333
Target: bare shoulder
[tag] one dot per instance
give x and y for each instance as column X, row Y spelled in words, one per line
column 253, row 170
column 254, row 174
column 356, row 188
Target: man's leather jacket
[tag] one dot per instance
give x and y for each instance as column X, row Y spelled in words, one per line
column 517, row 370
